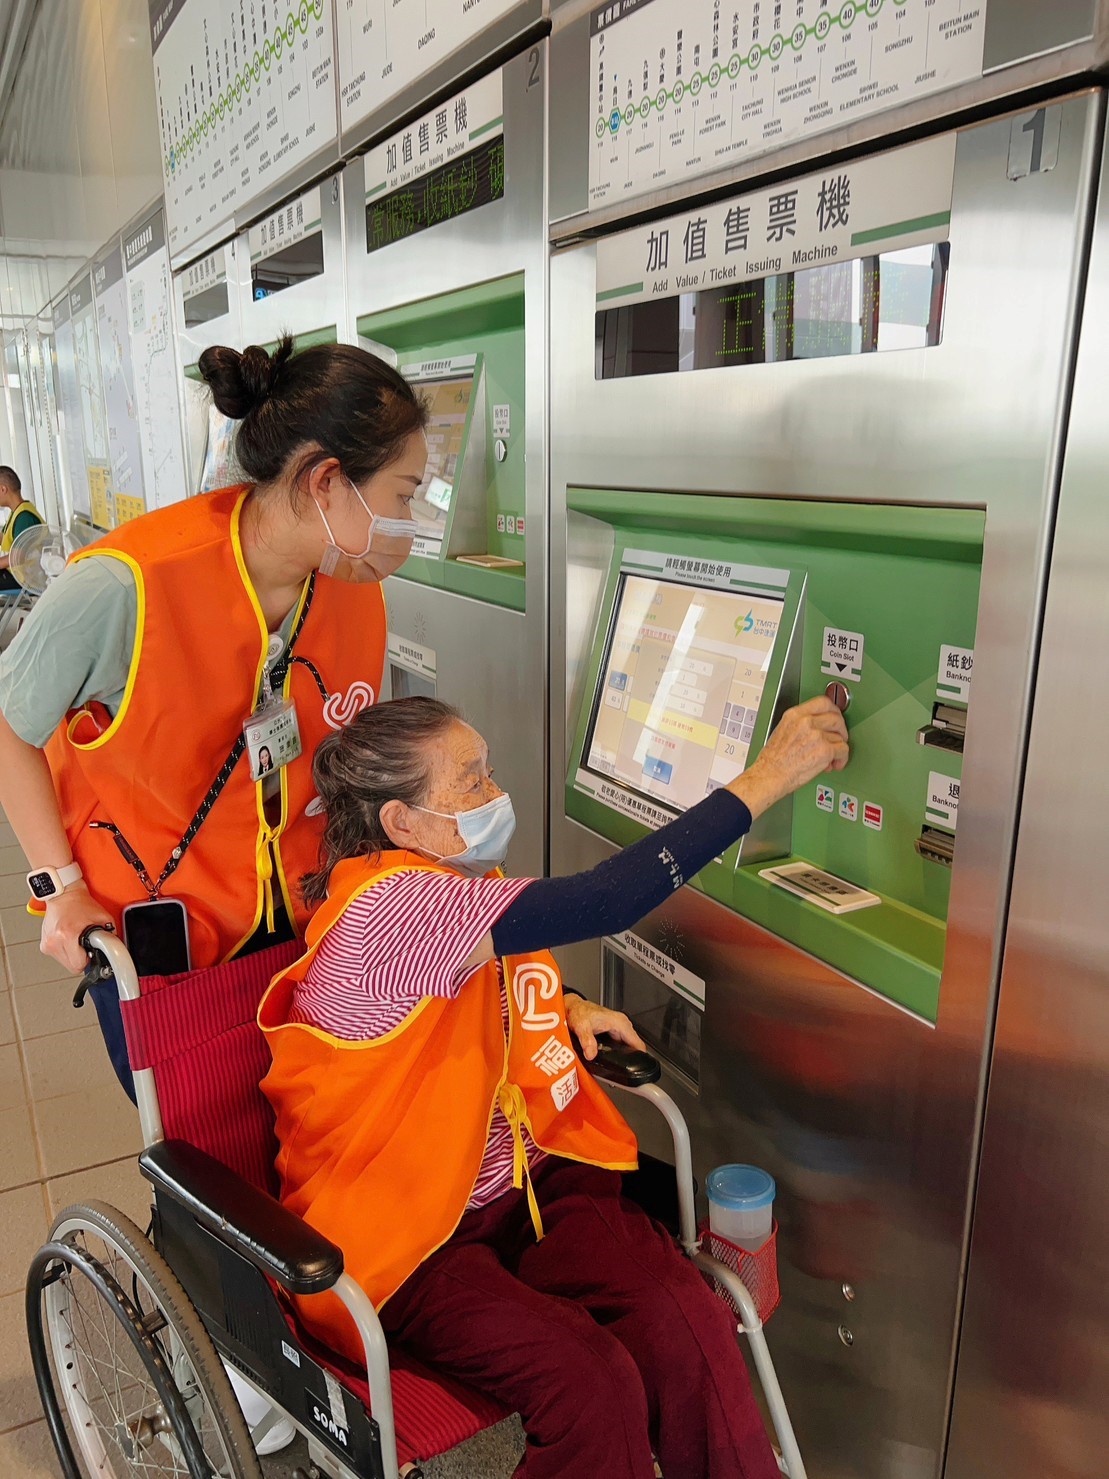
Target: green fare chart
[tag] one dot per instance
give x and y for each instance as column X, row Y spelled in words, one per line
column 684, row 87
column 246, row 93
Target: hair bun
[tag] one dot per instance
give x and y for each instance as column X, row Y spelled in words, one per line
column 241, row 383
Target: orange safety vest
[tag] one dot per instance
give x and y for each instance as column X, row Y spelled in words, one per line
column 200, row 648
column 382, row 1139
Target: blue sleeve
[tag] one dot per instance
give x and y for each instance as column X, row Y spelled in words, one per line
column 621, row 890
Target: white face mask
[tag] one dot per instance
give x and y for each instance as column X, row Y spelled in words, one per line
column 387, row 528
column 486, row 830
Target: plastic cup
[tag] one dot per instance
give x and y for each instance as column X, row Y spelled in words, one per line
column 741, row 1205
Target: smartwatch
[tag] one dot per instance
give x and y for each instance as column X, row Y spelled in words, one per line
column 48, row 883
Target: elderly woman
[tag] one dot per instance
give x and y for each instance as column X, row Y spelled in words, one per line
column 433, row 1123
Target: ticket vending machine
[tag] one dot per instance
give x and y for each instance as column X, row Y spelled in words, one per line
column 209, row 301
column 295, row 282
column 282, row 275
column 775, row 468
column 446, row 272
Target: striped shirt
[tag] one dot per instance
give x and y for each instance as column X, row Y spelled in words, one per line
column 402, row 940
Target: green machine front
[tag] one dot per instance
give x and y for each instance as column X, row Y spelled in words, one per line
column 464, row 351
column 717, row 615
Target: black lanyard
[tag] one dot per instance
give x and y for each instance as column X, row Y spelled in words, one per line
column 277, row 677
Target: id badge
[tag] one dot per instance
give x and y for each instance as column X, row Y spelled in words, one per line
column 272, row 738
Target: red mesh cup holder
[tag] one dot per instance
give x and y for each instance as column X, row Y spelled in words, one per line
column 759, row 1271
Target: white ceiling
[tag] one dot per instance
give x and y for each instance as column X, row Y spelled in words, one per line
column 15, row 22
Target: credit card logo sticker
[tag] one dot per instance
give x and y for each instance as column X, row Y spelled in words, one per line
column 849, row 808
column 872, row 816
column 825, row 798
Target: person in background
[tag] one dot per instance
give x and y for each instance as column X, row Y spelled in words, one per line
column 24, row 515
column 433, row 1122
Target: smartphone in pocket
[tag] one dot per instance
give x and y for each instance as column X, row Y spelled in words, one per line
column 157, row 935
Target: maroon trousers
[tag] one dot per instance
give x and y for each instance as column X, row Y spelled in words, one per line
column 603, row 1336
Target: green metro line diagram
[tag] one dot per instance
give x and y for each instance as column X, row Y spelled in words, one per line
column 797, row 40
column 284, row 37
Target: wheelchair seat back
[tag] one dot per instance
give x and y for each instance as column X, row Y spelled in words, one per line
column 198, row 1035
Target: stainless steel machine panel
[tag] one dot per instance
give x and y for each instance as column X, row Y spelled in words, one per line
column 1034, row 1357
column 316, row 303
column 867, row 1117
column 491, row 662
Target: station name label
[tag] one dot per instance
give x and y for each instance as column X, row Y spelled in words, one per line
column 858, row 209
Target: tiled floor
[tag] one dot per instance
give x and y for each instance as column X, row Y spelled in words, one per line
column 69, row 1134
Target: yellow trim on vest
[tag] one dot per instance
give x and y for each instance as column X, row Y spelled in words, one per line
column 283, row 820
column 136, row 651
column 309, row 955
column 354, row 1044
column 266, row 851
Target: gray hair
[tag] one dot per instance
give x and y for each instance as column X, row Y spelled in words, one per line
column 382, row 755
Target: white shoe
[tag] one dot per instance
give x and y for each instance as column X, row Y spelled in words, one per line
column 255, row 1407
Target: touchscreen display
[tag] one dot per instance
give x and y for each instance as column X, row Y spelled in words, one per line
column 680, row 687
column 448, row 403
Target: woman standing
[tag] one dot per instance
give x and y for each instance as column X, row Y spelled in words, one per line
column 135, row 706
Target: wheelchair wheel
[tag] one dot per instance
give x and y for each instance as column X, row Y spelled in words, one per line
column 128, row 1376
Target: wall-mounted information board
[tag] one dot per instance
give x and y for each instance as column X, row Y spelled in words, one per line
column 118, row 373
column 157, row 387
column 70, row 405
column 246, row 94
column 683, row 87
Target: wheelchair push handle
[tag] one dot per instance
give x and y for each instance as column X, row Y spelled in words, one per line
column 108, row 957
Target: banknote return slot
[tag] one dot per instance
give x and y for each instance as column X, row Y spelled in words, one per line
column 947, row 730
column 936, row 845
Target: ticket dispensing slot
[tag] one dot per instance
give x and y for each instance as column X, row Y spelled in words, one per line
column 717, row 614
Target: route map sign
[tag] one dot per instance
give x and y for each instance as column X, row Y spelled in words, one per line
column 683, row 87
column 384, row 45
column 246, row 94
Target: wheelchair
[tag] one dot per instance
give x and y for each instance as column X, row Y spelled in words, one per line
column 132, row 1336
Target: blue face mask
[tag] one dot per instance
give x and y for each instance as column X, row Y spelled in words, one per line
column 486, row 830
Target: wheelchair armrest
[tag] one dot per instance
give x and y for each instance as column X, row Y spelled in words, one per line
column 627, row 1067
column 250, row 1222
